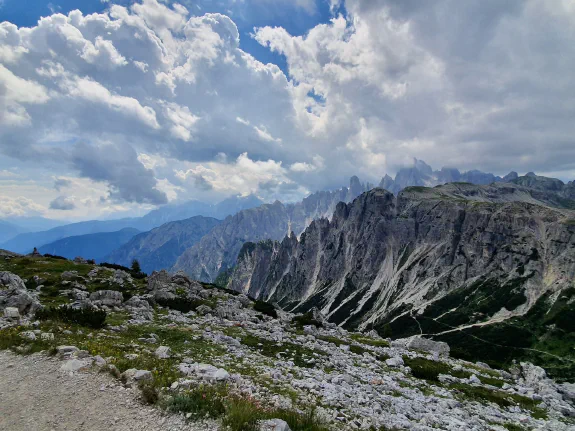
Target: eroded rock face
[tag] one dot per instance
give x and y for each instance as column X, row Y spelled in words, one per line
column 109, row 298
column 219, row 249
column 426, row 345
column 384, row 256
column 13, row 294
column 164, row 286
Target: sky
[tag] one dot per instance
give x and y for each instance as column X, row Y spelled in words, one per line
column 121, row 106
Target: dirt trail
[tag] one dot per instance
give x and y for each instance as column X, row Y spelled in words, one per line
column 36, row 396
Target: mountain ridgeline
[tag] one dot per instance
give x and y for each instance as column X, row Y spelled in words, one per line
column 489, row 269
column 25, row 242
column 92, row 246
column 218, row 250
column 161, row 247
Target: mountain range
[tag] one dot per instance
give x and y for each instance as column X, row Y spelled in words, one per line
column 218, row 250
column 91, row 246
column 25, row 242
column 488, row 269
column 161, row 247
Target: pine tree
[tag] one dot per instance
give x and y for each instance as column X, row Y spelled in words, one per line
column 136, row 266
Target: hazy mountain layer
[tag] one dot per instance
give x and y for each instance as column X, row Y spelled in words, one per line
column 218, row 250
column 160, row 248
column 421, row 174
column 25, row 243
column 9, row 230
column 92, row 246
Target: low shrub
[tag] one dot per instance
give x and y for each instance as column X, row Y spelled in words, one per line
column 135, row 274
column 306, row 320
column 149, row 392
column 115, row 266
column 265, row 308
column 201, row 402
column 426, row 369
column 184, row 305
column 84, row 317
column 53, row 256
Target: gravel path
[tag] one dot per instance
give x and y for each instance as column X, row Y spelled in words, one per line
column 36, row 395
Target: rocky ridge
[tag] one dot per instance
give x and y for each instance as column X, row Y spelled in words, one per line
column 218, row 250
column 224, row 339
column 429, row 261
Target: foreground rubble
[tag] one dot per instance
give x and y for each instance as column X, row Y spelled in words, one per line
column 177, row 335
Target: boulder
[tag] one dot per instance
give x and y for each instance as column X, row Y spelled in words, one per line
column 137, row 302
column 203, row 309
column 244, row 300
column 163, row 352
column 11, row 313
column 69, row 275
column 133, row 375
column 13, row 294
column 424, row 344
column 274, row 425
column 110, row 298
column 74, row 365
column 395, row 362
column 29, row 335
column 204, row 371
column 567, row 390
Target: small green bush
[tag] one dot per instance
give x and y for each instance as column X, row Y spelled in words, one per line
column 201, row 402
column 53, row 256
column 184, row 305
column 149, row 392
column 84, row 317
column 266, row 308
column 306, row 320
column 426, row 369
column 242, row 415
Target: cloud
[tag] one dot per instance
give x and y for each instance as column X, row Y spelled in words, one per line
column 243, row 176
column 18, row 207
column 60, row 183
column 152, row 103
column 119, row 166
column 62, row 203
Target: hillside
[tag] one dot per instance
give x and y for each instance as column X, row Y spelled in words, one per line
column 25, row 243
column 461, row 263
column 174, row 348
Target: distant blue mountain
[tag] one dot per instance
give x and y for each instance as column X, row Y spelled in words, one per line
column 25, row 242
column 35, row 223
column 161, row 247
column 9, row 230
column 91, row 246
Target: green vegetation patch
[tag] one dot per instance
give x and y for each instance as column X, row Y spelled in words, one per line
column 265, row 308
column 84, row 317
column 502, row 399
column 301, row 356
column 426, row 369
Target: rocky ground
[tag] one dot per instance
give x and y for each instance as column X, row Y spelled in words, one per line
column 195, row 350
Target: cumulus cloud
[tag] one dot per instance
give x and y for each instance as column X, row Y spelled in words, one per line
column 60, row 183
column 18, row 207
column 62, row 203
column 146, row 99
column 244, row 175
column 118, row 165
